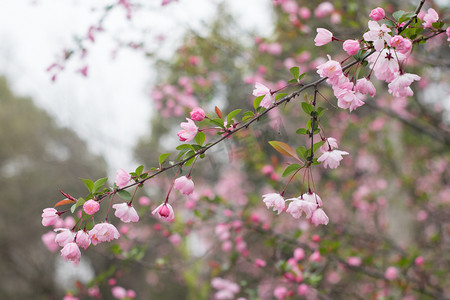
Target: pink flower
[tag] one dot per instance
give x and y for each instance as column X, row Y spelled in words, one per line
column 164, row 212
column 330, row 143
column 184, row 184
column 90, row 207
column 315, row 257
column 419, row 259
column 391, row 273
column 94, row 292
column 324, row 9
column 377, row 14
column 312, row 198
column 354, row 261
column 323, row 37
column 49, row 241
column 319, row 217
column 125, row 212
column 226, row 288
column 280, row 292
column 119, row 292
column 430, row 17
column 299, row 254
column 386, row 65
column 165, row 2
column 304, row 13
column 262, row 90
column 365, row 86
column 49, row 216
column 131, row 294
column 144, row 201
column 331, row 69
column 82, row 239
column 64, row 236
column 448, row 34
column 378, row 35
column 332, row 158
column 122, row 178
column 259, row 263
column 298, row 206
column 351, row 47
column 197, row 114
column 274, row 200
column 70, row 297
column 189, row 131
column 71, row 252
column 399, row 87
column 103, row 232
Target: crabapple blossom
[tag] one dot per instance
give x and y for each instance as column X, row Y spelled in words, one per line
column 103, row 232
column 274, row 200
column 386, row 65
column 365, row 87
column 299, row 254
column 354, row 261
column 280, row 292
column 90, row 207
column 197, row 114
column 71, row 252
column 448, row 33
column 315, row 256
column 184, row 184
column 125, row 212
column 164, row 212
column 226, row 288
column 262, row 90
column 330, row 143
column 260, row 263
column 332, row 158
column 324, row 9
column 49, row 241
column 351, row 47
column 49, row 216
column 378, row 35
column 122, row 178
column 377, row 14
column 419, row 261
column 82, row 239
column 399, row 87
column 189, row 131
column 331, row 69
column 312, row 198
column 391, row 273
column 323, row 37
column 299, row 206
column 144, row 201
column 119, row 292
column 64, row 236
column 70, row 297
column 430, row 17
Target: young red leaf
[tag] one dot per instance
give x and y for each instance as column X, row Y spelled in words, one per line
column 284, row 149
column 64, row 202
column 218, row 112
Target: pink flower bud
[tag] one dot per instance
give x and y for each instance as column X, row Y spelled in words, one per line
column 164, row 212
column 144, row 201
column 419, row 261
column 377, row 14
column 299, row 254
column 119, row 292
column 184, row 184
column 90, row 207
column 259, row 263
column 351, row 47
column 49, row 216
column 324, row 9
column 82, row 239
column 391, row 273
column 197, row 114
column 315, row 257
column 354, row 261
column 64, row 236
column 71, row 252
column 323, row 37
column 122, row 178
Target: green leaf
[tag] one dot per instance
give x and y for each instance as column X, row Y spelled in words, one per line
column 98, row 184
column 302, row 131
column 291, row 168
column 247, row 116
column 232, row 114
column 320, row 111
column 389, row 23
column 438, row 25
column 280, row 95
column 284, row 149
column 301, row 76
column 200, row 138
column 218, row 122
column 307, row 108
column 124, row 195
column 406, row 17
column 295, row 71
column 184, row 146
column 257, row 101
column 89, row 184
column 139, row 170
column 398, row 14
column 308, row 125
column 162, row 158
column 292, row 81
column 317, row 145
column 301, row 151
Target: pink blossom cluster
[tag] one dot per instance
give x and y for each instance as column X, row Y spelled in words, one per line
column 226, row 289
column 119, row 292
column 190, row 129
column 224, row 232
column 171, row 100
column 331, row 157
column 308, row 203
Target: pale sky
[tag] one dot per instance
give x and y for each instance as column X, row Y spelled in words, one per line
column 109, row 109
